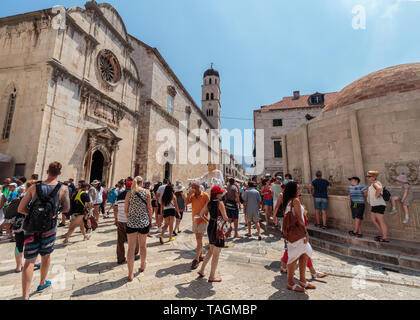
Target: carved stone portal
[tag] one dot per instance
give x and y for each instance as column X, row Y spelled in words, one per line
column 409, row 168
column 106, row 142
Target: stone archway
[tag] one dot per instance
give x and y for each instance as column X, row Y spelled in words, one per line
column 97, row 168
column 99, row 163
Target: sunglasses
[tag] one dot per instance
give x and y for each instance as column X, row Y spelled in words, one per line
column 369, row 176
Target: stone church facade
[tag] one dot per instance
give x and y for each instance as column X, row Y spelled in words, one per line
column 84, row 95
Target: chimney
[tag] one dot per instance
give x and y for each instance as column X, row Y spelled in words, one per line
column 296, row 95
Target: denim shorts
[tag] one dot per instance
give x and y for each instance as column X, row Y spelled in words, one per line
column 268, row 202
column 321, row 204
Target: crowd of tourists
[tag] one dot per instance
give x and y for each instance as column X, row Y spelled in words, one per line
column 30, row 211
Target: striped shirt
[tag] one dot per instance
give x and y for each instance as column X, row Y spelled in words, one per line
column 357, row 193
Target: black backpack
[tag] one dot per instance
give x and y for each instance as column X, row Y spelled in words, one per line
column 11, row 210
column 42, row 212
column 386, row 194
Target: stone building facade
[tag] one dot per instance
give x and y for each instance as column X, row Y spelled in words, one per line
column 281, row 117
column 68, row 94
column 232, row 168
column 167, row 105
column 80, row 90
column 372, row 124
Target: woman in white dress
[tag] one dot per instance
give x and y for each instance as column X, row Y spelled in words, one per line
column 300, row 250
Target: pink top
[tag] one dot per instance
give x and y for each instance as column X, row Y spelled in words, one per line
column 268, row 195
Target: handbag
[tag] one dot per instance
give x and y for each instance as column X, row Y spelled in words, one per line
column 223, row 228
column 292, row 229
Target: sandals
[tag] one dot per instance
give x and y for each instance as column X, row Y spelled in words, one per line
column 296, row 288
column 201, row 275
column 215, row 280
column 307, row 285
column 352, row 233
column 359, row 235
column 319, row 275
column 380, row 239
column 195, row 264
column 324, row 227
column 283, row 270
column 317, row 225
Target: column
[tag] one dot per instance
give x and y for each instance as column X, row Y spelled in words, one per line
column 357, row 148
column 307, row 174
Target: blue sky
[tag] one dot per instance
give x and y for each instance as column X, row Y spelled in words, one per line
column 266, row 49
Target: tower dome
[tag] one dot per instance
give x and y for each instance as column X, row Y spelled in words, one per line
column 211, row 72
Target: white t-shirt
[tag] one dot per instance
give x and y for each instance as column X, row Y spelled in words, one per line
column 99, row 196
column 160, row 191
column 373, row 201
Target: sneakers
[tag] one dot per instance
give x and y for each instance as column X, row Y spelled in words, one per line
column 393, row 211
column 43, row 287
column 406, row 219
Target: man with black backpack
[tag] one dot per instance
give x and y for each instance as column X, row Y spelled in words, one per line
column 40, row 225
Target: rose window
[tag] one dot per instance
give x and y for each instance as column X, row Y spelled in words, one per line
column 109, row 66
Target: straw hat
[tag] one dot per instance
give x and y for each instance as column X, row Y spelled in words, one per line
column 179, row 188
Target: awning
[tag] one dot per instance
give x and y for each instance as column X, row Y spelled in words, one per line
column 4, row 158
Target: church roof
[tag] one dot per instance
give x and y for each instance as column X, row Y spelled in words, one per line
column 301, row 102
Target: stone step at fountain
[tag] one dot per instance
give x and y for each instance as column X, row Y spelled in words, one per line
column 395, row 255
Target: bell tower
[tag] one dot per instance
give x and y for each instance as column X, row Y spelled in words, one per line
column 211, row 96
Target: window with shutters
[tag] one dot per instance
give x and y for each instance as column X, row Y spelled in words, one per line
column 278, row 152
column 9, row 116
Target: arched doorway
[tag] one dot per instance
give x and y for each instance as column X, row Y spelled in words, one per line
column 97, row 169
column 168, row 171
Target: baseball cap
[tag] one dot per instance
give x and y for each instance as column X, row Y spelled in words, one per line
column 217, row 190
column 279, row 178
column 129, row 184
column 13, row 185
column 354, row 178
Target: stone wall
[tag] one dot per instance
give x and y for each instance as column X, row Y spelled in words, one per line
column 379, row 134
column 25, row 46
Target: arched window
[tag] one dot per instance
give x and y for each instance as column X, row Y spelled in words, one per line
column 9, row 115
column 207, row 96
column 210, row 81
column 210, row 113
column 212, row 96
column 215, row 80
